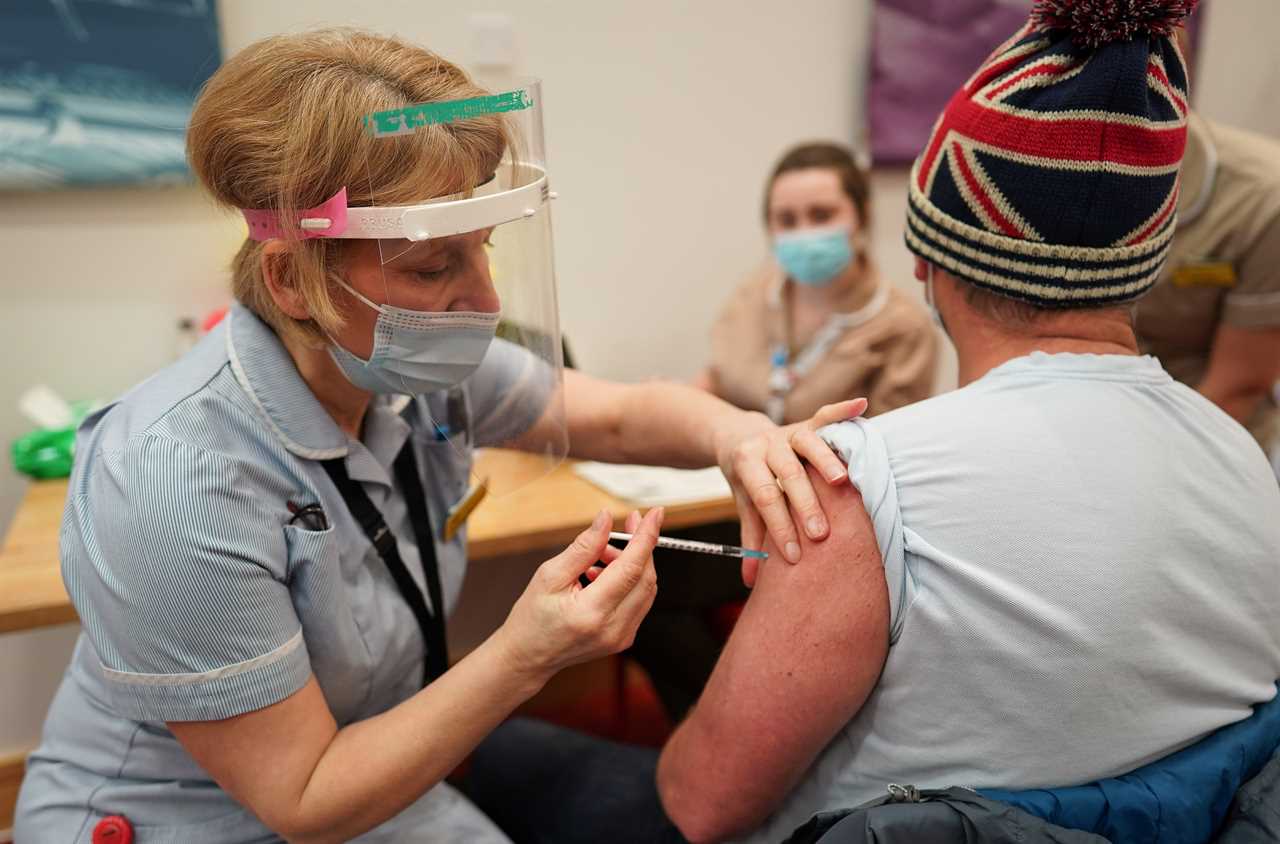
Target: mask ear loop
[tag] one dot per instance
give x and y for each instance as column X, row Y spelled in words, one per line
column 356, row 293
column 336, row 278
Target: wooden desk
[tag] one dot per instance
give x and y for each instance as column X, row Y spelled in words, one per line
column 546, row 513
column 31, row 591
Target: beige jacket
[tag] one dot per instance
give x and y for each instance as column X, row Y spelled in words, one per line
column 890, row 358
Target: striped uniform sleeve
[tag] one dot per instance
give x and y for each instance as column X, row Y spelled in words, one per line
column 179, row 571
column 509, row 393
column 863, row 450
column 1255, row 300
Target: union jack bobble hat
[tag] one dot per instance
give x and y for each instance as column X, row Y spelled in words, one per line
column 1052, row 174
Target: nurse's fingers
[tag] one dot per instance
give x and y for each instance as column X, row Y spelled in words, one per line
column 610, row 554
column 632, row 568
column 750, row 523
column 760, row 482
column 750, row 568
column 799, row 495
column 588, row 547
column 841, row 411
column 634, row 607
column 795, row 482
column 813, row 448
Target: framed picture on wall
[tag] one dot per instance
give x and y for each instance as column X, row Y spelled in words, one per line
column 922, row 50
column 98, row 92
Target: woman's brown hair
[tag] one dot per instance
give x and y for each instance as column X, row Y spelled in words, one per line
column 824, row 155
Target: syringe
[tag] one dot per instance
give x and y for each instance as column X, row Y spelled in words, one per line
column 697, row 547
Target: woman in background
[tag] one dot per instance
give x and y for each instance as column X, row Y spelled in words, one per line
column 815, row 326
column 819, row 324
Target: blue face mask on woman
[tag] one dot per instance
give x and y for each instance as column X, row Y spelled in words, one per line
column 813, row 256
column 418, row 352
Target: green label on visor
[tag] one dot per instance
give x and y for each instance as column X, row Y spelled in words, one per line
column 405, row 121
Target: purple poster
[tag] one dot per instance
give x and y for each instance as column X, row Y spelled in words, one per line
column 922, row 50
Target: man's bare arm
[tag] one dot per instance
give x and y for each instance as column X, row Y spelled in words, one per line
column 805, row 654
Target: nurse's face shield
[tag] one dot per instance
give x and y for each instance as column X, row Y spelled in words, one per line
column 464, row 229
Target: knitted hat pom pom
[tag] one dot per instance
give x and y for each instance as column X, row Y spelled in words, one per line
column 1093, row 23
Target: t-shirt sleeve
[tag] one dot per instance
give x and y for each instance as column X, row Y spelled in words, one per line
column 863, row 450
column 509, row 393
column 1255, row 300
column 179, row 573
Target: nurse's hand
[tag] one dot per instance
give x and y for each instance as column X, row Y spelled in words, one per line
column 763, row 465
column 558, row 622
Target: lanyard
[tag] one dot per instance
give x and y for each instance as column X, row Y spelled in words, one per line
column 384, row 542
column 784, row 374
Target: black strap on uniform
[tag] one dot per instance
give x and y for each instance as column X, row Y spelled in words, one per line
column 384, row 542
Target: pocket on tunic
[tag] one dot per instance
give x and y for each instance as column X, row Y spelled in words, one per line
column 323, row 600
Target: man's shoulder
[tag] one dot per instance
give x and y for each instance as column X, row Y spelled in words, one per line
column 923, row 417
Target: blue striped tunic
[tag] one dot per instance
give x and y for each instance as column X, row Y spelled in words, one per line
column 199, row 601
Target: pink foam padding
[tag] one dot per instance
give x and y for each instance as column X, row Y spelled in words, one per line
column 265, row 225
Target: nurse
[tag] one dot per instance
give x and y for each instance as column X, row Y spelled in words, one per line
column 819, row 323
column 1213, row 319
column 263, row 540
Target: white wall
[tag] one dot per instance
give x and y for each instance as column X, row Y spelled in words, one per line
column 662, row 119
column 1238, row 65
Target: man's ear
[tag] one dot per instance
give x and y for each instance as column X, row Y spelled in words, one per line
column 922, row 269
column 281, row 284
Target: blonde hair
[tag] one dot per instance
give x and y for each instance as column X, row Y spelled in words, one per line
column 279, row 126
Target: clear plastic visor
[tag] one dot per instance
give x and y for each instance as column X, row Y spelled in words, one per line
column 468, row 319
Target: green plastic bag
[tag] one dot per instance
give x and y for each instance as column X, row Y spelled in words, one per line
column 49, row 452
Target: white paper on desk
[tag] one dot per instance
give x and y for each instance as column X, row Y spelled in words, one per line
column 656, row 486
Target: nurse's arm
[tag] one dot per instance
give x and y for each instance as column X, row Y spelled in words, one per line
column 799, row 665
column 311, row 781
column 662, row 423
column 1244, row 363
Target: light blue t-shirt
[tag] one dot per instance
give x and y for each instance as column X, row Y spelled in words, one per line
column 1083, row 564
column 200, row 600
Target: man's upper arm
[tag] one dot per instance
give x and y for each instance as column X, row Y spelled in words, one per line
column 805, row 654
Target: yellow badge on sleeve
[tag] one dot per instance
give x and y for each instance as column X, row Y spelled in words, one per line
column 461, row 511
column 1205, row 274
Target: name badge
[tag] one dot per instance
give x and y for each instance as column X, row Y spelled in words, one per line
column 461, row 511
column 1205, row 274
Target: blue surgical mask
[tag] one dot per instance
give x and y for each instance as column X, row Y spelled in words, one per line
column 418, row 351
column 814, row 256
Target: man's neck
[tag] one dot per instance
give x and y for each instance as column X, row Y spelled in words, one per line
column 345, row 402
column 982, row 345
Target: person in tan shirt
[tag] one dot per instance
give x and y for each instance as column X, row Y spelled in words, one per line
column 815, row 326
column 818, row 323
column 1213, row 319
